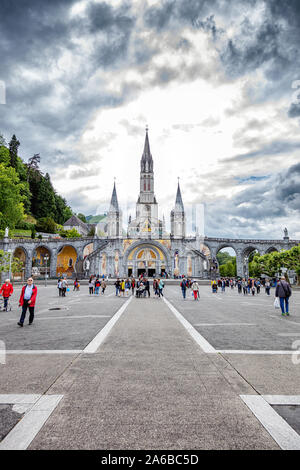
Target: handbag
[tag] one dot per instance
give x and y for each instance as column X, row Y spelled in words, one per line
column 276, row 303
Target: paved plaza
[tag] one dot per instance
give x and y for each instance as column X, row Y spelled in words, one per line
column 107, row 372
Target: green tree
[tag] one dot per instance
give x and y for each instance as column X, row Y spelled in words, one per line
column 81, row 217
column 223, row 257
column 13, row 151
column 46, row 225
column 9, row 263
column 11, row 200
column 63, row 211
column 73, row 233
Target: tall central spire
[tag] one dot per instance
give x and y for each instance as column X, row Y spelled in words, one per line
column 146, row 161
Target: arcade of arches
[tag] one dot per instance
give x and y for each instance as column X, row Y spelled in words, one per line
column 125, row 257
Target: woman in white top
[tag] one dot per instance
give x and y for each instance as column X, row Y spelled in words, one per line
column 195, row 289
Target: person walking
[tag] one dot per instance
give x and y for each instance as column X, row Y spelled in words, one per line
column 127, row 287
column 122, row 287
column 195, row 289
column 64, row 284
column 214, row 286
column 223, row 285
column 59, row 286
column 118, row 287
column 147, row 287
column 6, row 291
column 183, row 286
column 91, row 286
column 267, row 287
column 27, row 300
column 132, row 285
column 160, row 287
column 239, row 286
column 103, row 286
column 155, row 287
column 257, row 286
column 97, row 286
column 284, row 292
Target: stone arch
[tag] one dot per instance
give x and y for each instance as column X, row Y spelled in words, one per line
column 271, row 250
column 21, row 253
column 87, row 249
column 41, row 267
column 231, row 273
column 245, row 258
column 67, row 256
column 147, row 244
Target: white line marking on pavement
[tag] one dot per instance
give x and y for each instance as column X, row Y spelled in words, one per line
column 27, row 428
column 100, row 337
column 282, row 399
column 18, row 399
column 277, row 427
column 204, row 345
column 251, row 351
column 43, row 351
column 225, row 324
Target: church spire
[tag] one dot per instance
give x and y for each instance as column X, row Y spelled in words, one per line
column 178, row 203
column 146, row 161
column 114, row 206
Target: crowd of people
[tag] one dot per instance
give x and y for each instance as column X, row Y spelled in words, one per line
column 246, row 286
column 141, row 288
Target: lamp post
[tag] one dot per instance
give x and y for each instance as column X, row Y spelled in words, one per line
column 46, row 258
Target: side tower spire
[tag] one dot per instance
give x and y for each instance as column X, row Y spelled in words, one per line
column 178, row 216
column 114, row 217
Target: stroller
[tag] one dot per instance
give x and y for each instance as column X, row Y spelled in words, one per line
column 5, row 309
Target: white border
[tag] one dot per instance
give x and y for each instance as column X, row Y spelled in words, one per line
column 285, row 436
column 20, row 437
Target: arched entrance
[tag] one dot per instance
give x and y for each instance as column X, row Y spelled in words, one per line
column 21, row 255
column 146, row 262
column 226, row 257
column 41, row 261
column 66, row 261
column 147, row 259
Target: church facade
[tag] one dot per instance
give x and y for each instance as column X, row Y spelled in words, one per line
column 147, row 247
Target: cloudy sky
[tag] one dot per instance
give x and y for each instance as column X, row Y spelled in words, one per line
column 215, row 80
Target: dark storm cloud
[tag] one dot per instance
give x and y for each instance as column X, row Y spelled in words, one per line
column 294, row 110
column 41, row 110
column 265, row 201
column 158, row 17
column 276, row 147
column 242, row 56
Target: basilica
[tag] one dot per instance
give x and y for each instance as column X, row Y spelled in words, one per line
column 147, row 247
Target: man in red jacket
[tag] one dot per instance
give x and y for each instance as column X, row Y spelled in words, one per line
column 27, row 300
column 6, row 291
